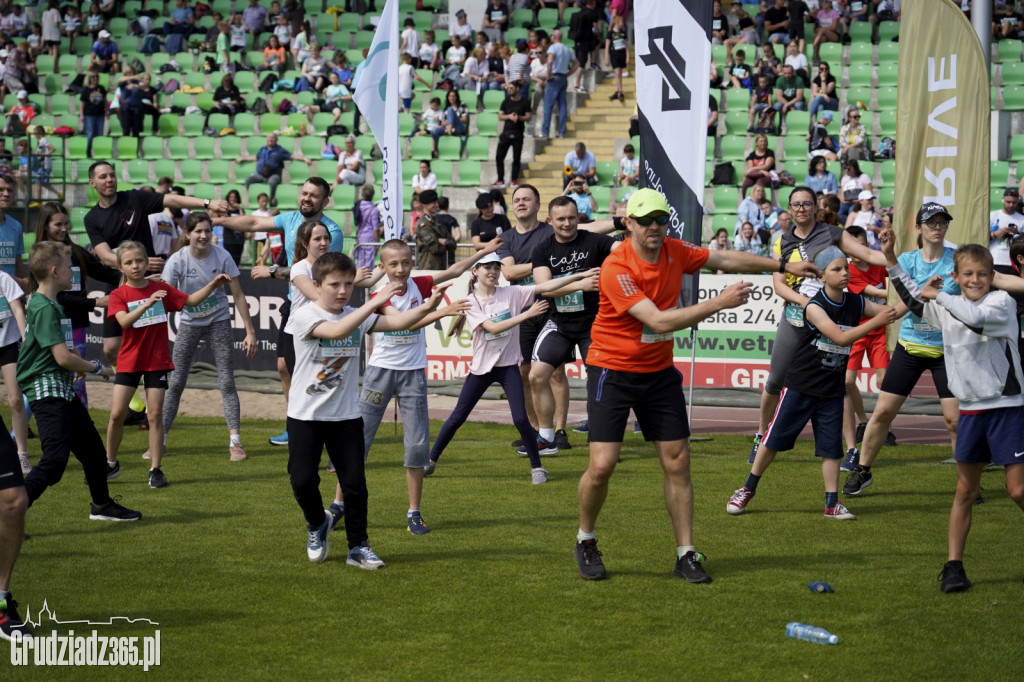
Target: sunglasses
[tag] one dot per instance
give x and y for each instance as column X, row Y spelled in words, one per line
column 646, row 220
column 855, row 118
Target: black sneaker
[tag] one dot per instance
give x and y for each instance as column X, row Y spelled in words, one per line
column 562, row 440
column 953, row 577
column 753, row 448
column 857, row 481
column 689, row 569
column 113, row 471
column 157, row 478
column 135, row 418
column 588, row 558
column 583, row 428
column 112, row 511
column 10, row 621
column 890, row 438
column 517, row 443
column 860, row 431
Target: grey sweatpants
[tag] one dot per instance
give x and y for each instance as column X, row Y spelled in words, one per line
column 221, row 340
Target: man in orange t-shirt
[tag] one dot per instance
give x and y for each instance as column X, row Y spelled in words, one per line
column 630, row 365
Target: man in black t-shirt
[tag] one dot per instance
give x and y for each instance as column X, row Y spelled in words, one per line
column 567, row 251
column 515, row 112
column 488, row 225
column 450, row 224
column 124, row 216
column 589, row 38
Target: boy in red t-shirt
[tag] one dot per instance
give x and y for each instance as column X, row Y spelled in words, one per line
column 141, row 306
column 868, row 280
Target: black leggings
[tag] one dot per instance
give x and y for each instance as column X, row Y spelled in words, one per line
column 66, row 428
column 344, row 443
column 472, row 390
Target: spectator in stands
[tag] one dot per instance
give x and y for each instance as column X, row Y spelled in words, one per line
column 798, row 60
column 351, row 167
column 283, row 30
column 316, row 69
column 51, row 29
column 853, row 137
column 515, row 112
column 629, row 167
column 474, row 74
column 150, row 102
column 482, row 41
column 712, row 116
column 590, row 18
column 431, row 122
column 496, row 67
column 820, row 141
column 129, row 87
column 867, row 217
column 223, row 46
column 789, row 93
column 410, row 41
column 456, row 54
column 1004, row 225
column 518, row 70
column 495, row 20
column 274, row 55
column 462, row 29
column 92, row 109
column 748, row 241
column 720, row 242
column 760, row 100
column 239, row 31
column 820, row 178
column 105, row 53
column 776, row 23
column 560, row 62
column 823, row 90
column 367, row 219
column 456, row 115
column 768, row 65
column 429, row 53
column 425, row 179
column 852, row 182
column 183, row 20
column 759, row 165
column 20, row 115
column 885, row 10
column 255, row 18
column 539, row 73
column 227, row 99
column 18, row 22
column 94, row 22
column 433, row 243
column 579, row 191
column 301, row 44
column 827, row 27
column 749, row 210
column 488, row 225
column 334, row 97
column 746, row 33
column 740, row 75
column 719, row 24
column 107, row 8
column 72, row 24
column 270, row 165
column 616, row 54
column 855, row 10
column 581, row 162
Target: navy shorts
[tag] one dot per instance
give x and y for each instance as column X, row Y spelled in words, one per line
column 791, row 416
column 905, row 370
column 996, row 435
column 655, row 397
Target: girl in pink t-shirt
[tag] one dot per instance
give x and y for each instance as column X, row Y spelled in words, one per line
column 494, row 317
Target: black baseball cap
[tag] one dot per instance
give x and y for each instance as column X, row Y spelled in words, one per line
column 930, row 210
column 428, row 196
column 1011, row 192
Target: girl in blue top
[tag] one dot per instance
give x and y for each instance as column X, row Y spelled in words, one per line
column 919, row 347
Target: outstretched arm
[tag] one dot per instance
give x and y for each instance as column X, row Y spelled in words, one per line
column 665, row 321
column 458, row 268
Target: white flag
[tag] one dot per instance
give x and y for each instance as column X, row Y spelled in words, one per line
column 377, row 98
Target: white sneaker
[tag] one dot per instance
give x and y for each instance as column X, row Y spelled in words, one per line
column 539, row 475
column 364, row 557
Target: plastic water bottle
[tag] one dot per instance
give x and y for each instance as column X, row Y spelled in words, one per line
column 809, row 633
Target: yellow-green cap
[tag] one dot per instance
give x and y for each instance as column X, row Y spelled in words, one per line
column 644, row 202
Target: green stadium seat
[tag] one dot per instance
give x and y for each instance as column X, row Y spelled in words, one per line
column 410, row 167
column 547, row 17
column 607, row 172
column 127, row 148
column 169, row 125
column 243, row 170
column 734, row 147
column 231, row 147
column 1012, row 73
column 887, row 74
column 886, row 196
column 831, row 53
column 859, row 94
column 153, row 147
column 196, row 79
column 245, row 125
column 421, row 147
column 887, row 30
column 487, row 124
column 859, row 74
column 862, row 53
column 344, row 196
column 406, row 124
column 311, row 146
column 217, row 170
column 299, row 172
column 367, row 145
column 205, row 190
column 255, row 189
column 736, row 121
column 103, row 147
column 449, row 148
column 887, row 123
column 444, row 170
column 888, row 171
column 204, row 100
column 999, row 173
column 270, row 122
column 521, row 17
column 995, row 198
column 888, row 52
column 1013, row 98
column 493, row 100
column 244, row 81
column 737, row 99
column 179, row 147
column 191, row 171
column 886, row 98
column 217, row 121
column 798, row 122
column 860, row 33
column 164, row 168
column 709, row 148
column 204, row 148
column 77, row 147
column 1017, row 148
column 725, row 198
column 795, row 149
column 287, row 196
column 470, row 173
column 68, row 63
column 325, row 168
column 478, row 148
column 1009, row 50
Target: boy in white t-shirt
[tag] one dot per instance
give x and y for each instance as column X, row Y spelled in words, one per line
column 323, row 408
column 397, row 366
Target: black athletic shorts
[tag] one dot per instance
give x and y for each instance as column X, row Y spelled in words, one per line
column 528, row 333
column 157, row 379
column 905, row 370
column 9, row 353
column 618, row 59
column 10, row 465
column 555, row 346
column 285, row 342
column 656, row 398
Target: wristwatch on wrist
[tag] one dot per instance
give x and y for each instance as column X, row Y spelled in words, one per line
column 206, row 203
column 273, row 271
column 96, row 367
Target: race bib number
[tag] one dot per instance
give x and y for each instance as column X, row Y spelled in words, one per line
column 923, row 326
column 76, row 278
column 69, row 336
column 856, row 6
column 827, row 346
column 619, row 44
column 500, row 316
column 570, row 303
column 275, row 240
column 403, row 337
column 831, row 355
column 526, row 281
column 794, row 315
column 155, row 314
column 207, row 307
column 497, row 15
column 648, row 335
column 6, row 253
column 347, row 347
column 5, row 310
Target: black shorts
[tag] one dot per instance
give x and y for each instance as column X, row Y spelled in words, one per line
column 10, row 465
column 582, row 52
column 9, row 353
column 905, row 370
column 618, row 59
column 157, row 379
column 112, row 328
column 285, row 342
column 656, row 398
column 528, row 333
column 555, row 346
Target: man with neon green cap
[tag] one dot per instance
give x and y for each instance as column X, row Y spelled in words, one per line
column 630, row 365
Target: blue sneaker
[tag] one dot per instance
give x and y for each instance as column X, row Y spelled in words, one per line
column 543, row 447
column 851, row 460
column 317, row 545
column 337, row 511
column 363, row 557
column 280, row 440
column 583, row 428
column 416, row 525
column 430, row 468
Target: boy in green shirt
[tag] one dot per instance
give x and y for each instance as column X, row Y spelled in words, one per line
column 47, row 365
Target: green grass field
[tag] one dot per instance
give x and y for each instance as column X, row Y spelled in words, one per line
column 493, row 593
